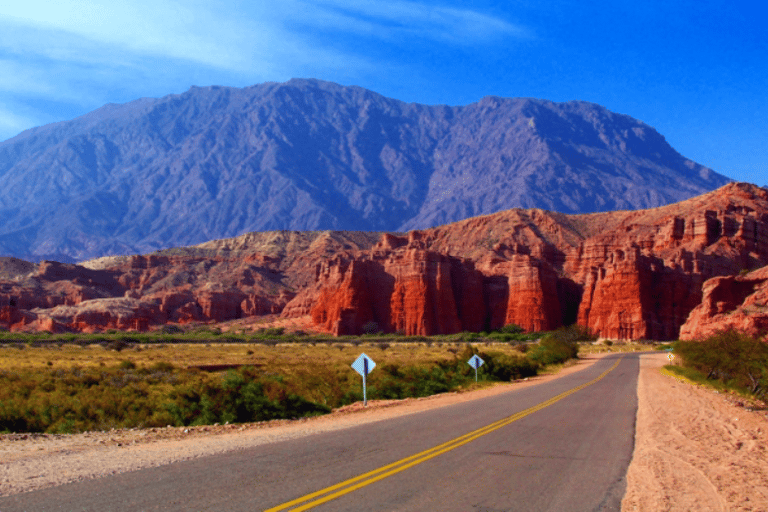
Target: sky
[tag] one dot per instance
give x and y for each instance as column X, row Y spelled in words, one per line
column 696, row 70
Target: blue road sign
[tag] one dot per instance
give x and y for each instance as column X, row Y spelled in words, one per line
column 363, row 365
column 475, row 362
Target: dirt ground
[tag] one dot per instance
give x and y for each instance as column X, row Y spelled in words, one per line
column 694, row 450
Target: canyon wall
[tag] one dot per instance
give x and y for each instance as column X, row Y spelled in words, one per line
column 624, row 275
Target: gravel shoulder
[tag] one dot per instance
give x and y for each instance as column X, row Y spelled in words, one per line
column 695, row 449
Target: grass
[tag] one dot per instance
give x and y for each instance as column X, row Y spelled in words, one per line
column 76, row 382
column 697, row 378
column 629, row 346
column 70, row 387
column 281, row 357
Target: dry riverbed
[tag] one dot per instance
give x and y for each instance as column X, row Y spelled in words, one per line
column 695, row 450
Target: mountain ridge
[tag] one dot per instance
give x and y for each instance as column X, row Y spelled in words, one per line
column 216, row 162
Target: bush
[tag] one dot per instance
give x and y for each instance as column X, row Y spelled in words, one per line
column 506, row 368
column 512, row 329
column 560, row 345
column 731, row 357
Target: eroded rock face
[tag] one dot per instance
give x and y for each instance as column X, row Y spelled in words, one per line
column 255, row 274
column 730, row 302
column 625, row 275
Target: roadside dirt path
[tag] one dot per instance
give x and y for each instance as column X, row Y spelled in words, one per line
column 695, row 449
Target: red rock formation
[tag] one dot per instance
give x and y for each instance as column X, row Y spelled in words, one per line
column 625, row 275
column 404, row 288
column 731, row 302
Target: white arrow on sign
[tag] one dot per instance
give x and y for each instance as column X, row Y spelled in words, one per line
column 364, row 365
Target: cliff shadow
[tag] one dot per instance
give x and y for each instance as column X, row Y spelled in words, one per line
column 496, row 297
column 569, row 294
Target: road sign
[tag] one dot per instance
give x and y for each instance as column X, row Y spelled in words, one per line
column 363, row 362
column 670, row 356
column 475, row 362
column 364, row 365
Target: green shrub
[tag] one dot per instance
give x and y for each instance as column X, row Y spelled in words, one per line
column 512, row 329
column 506, row 368
column 127, row 365
column 560, row 345
column 731, row 357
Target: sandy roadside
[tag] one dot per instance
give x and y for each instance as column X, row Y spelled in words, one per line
column 35, row 461
column 695, row 449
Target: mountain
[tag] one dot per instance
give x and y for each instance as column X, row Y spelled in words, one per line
column 624, row 275
column 217, row 162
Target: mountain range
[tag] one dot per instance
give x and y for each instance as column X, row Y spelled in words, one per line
column 217, row 162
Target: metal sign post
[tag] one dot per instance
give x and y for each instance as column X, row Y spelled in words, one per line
column 475, row 362
column 364, row 365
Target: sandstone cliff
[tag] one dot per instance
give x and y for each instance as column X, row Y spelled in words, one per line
column 731, row 302
column 625, row 275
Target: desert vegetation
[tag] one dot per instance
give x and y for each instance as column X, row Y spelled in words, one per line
column 729, row 360
column 71, row 383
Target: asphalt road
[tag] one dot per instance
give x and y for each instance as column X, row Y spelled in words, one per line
column 563, row 445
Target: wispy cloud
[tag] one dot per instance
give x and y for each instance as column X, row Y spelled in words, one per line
column 89, row 52
column 397, row 18
column 11, row 122
column 191, row 31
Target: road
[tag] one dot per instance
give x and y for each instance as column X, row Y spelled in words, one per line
column 563, row 445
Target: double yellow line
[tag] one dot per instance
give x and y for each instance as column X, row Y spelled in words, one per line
column 335, row 491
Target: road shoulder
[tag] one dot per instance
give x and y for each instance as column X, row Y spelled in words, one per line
column 694, row 448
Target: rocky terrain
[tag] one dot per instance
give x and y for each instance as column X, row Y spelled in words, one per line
column 218, row 162
column 625, row 275
column 731, row 302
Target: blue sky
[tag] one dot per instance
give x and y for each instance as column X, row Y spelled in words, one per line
column 697, row 71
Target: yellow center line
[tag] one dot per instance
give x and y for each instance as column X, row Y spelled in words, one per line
column 347, row 486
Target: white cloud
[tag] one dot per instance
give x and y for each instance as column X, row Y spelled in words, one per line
column 86, row 53
column 194, row 31
column 396, row 18
column 247, row 35
column 11, row 122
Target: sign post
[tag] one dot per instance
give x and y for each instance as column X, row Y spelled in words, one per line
column 475, row 362
column 364, row 365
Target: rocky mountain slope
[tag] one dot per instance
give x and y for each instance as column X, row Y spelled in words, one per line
column 217, row 162
column 625, row 274
column 731, row 302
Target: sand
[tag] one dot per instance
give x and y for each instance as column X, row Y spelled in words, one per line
column 695, row 449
